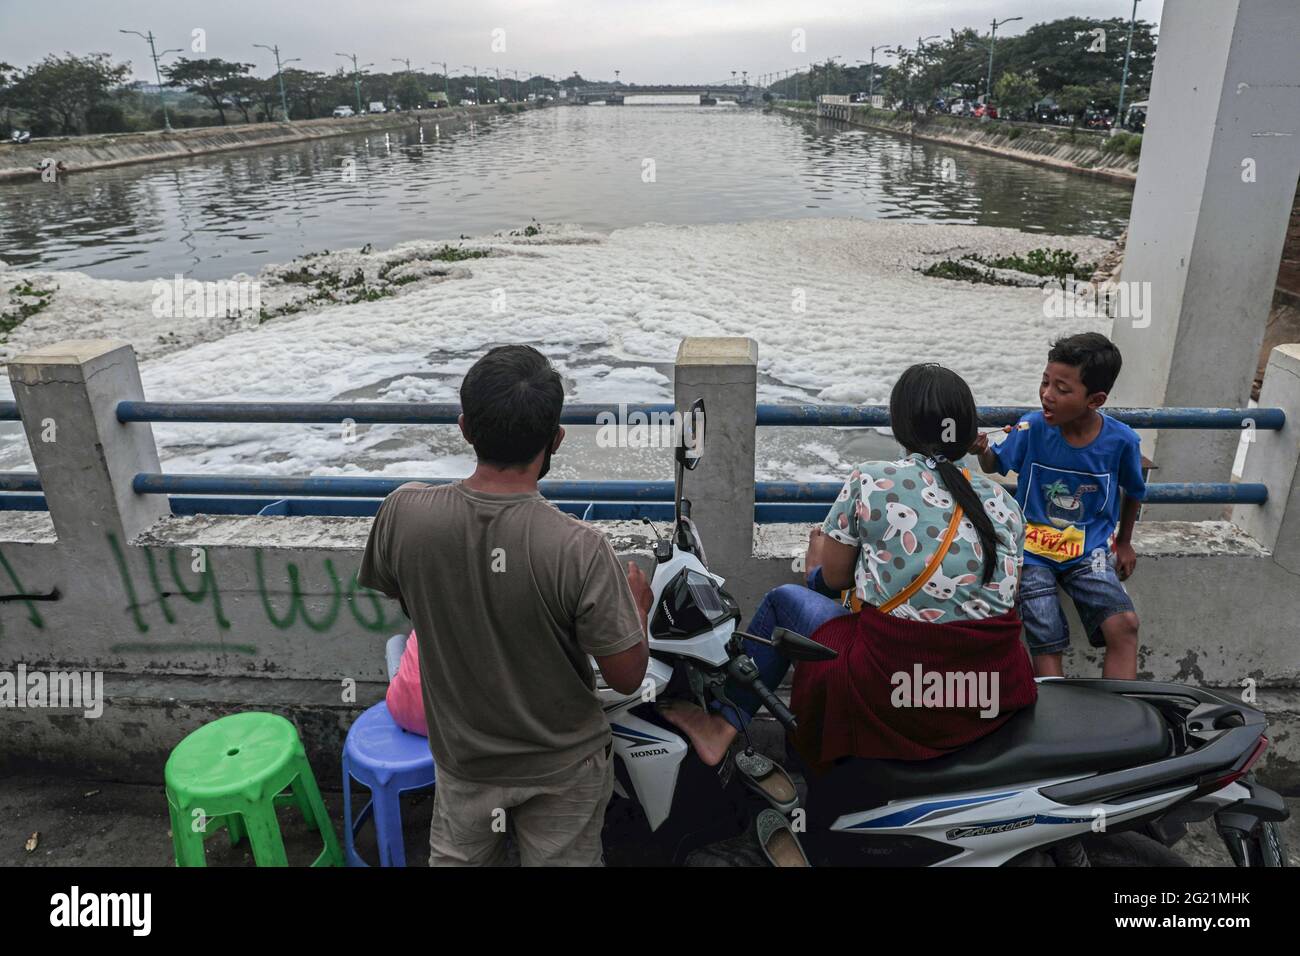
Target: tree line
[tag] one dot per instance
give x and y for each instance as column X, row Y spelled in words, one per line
column 71, row 94
column 1077, row 62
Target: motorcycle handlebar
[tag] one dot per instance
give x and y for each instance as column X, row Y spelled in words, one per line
column 773, row 704
column 745, row 672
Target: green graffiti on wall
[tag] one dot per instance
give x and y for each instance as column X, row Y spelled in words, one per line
column 33, row 615
column 283, row 608
column 296, row 604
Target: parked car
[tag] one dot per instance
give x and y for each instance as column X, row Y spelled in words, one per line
column 467, row 103
column 343, row 111
column 959, row 107
column 986, row 109
column 377, row 107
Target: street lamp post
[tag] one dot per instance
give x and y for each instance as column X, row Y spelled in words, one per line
column 407, row 62
column 920, row 41
column 279, row 72
column 356, row 76
column 477, row 99
column 446, row 80
column 871, row 81
column 167, row 123
column 1123, row 83
column 993, row 40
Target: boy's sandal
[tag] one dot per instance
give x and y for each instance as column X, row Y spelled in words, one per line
column 777, row 841
column 768, row 779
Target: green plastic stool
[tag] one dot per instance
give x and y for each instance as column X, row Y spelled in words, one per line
column 234, row 772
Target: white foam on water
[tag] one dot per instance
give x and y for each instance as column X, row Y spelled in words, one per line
column 837, row 307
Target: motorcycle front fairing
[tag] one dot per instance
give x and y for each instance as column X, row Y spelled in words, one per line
column 691, row 615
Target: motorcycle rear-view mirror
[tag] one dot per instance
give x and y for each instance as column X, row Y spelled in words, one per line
column 690, row 449
column 796, row 647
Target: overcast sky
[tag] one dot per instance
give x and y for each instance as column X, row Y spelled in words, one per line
column 684, row 41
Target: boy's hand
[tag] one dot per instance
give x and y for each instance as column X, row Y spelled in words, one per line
column 980, row 445
column 1126, row 559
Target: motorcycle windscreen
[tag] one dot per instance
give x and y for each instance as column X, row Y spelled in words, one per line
column 691, row 604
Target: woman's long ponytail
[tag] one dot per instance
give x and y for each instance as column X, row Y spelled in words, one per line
column 960, row 488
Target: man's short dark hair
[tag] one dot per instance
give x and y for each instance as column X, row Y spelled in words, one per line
column 511, row 399
column 1094, row 355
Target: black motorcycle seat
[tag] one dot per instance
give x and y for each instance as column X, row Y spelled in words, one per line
column 1068, row 731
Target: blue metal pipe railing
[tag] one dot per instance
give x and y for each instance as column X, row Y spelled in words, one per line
column 772, row 499
column 423, row 413
column 766, row 492
column 1268, row 419
column 1164, row 493
column 348, row 487
column 331, row 413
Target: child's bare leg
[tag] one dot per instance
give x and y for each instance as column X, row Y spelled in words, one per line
column 1048, row 665
column 1121, row 634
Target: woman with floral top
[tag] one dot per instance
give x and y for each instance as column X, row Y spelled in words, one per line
column 883, row 542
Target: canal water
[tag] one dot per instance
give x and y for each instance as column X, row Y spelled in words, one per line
column 600, row 166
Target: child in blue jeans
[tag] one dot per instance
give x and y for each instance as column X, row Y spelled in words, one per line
column 1080, row 484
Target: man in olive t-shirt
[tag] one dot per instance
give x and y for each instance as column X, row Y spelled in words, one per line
column 508, row 596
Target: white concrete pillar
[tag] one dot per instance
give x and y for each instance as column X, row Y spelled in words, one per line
column 67, row 396
column 723, row 372
column 1273, row 459
column 1217, row 178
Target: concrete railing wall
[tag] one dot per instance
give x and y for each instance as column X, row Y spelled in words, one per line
column 190, row 618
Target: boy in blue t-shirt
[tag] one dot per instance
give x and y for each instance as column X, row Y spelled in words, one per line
column 1080, row 479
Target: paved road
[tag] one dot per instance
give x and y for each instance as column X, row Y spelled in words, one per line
column 113, row 824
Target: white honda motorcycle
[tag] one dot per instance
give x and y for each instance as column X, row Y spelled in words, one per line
column 1096, row 772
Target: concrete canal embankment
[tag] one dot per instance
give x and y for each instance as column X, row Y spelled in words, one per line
column 1079, row 152
column 81, row 153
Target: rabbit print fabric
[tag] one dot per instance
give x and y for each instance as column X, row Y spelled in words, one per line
column 896, row 513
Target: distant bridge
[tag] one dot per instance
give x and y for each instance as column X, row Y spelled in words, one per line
column 615, row 94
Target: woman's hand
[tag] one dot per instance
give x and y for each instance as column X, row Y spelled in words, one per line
column 813, row 556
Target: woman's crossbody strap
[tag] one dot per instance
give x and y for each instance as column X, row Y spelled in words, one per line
column 933, row 564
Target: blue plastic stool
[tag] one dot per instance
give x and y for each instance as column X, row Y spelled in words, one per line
column 390, row 761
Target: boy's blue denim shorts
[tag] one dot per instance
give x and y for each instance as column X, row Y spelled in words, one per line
column 1093, row 586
